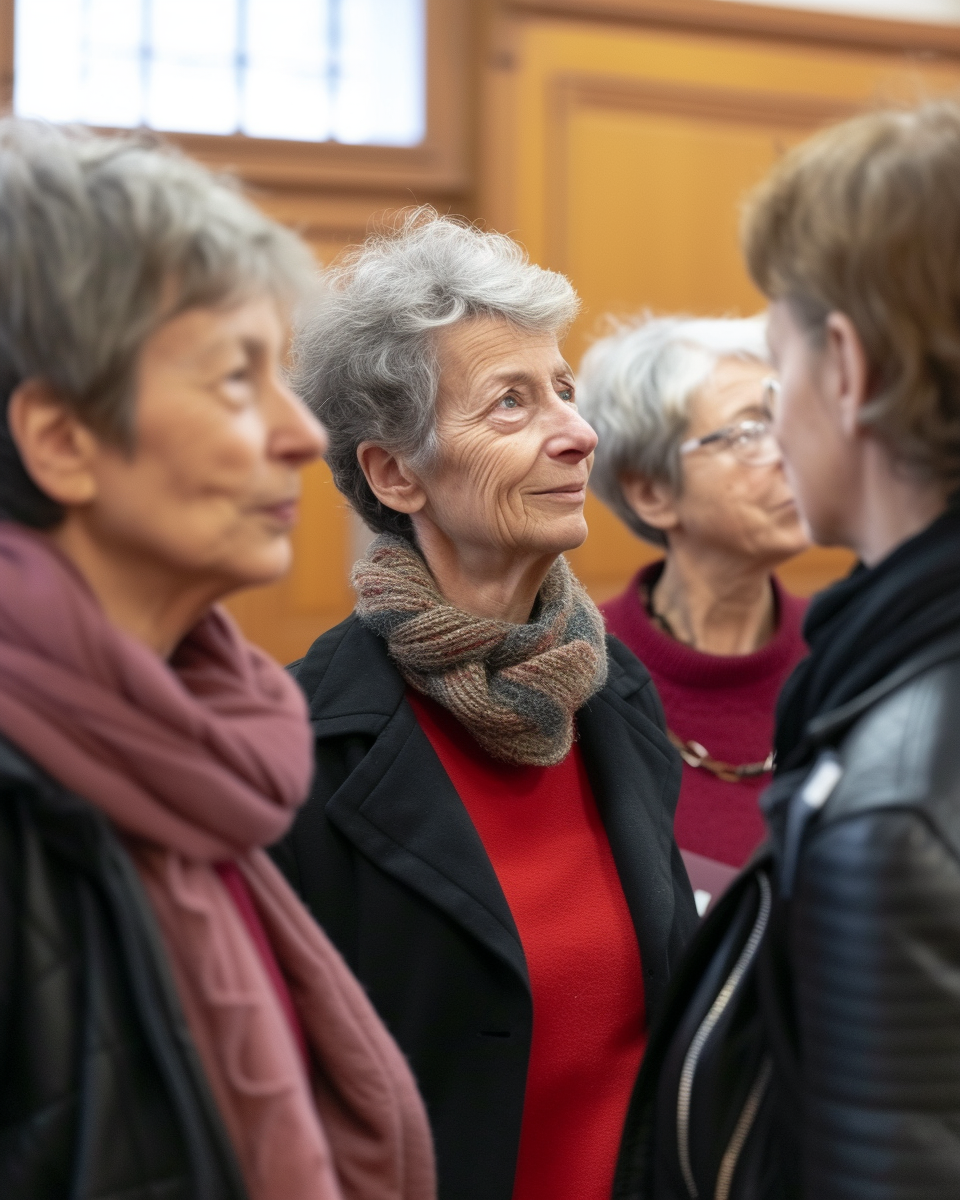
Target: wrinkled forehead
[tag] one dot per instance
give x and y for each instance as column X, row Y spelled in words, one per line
column 732, row 391
column 482, row 356
column 198, row 338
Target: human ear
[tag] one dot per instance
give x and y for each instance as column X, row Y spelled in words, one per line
column 57, row 450
column 846, row 359
column 652, row 500
column 393, row 484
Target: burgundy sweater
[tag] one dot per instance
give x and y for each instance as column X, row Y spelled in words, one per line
column 724, row 702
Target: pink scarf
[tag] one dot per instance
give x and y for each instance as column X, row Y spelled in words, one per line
column 203, row 759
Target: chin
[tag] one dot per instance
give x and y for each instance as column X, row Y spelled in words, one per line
column 792, row 546
column 562, row 536
column 266, row 565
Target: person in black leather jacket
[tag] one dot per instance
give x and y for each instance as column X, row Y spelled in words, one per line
column 855, row 239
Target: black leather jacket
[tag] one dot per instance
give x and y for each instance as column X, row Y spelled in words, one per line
column 101, row 1093
column 875, row 947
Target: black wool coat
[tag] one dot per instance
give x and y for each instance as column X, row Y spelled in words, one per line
column 102, row 1094
column 387, row 859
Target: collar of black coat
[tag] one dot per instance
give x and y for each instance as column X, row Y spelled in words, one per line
column 399, row 808
column 353, row 687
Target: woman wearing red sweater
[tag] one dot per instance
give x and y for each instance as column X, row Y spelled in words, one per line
column 686, row 458
column 489, row 838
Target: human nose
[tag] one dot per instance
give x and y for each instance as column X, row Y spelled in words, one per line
column 297, row 436
column 574, row 440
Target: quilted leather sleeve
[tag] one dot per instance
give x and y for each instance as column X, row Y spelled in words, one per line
column 876, row 953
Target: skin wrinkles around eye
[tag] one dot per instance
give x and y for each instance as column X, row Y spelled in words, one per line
column 512, row 402
column 244, row 379
column 239, row 390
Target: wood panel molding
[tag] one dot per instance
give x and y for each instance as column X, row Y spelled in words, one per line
column 435, row 165
column 334, row 215
column 567, row 93
column 759, row 20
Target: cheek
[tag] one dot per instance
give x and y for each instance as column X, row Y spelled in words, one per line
column 713, row 492
column 220, row 457
column 805, row 447
column 486, row 474
column 729, row 505
column 186, row 494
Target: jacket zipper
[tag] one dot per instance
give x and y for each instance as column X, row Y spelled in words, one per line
column 717, row 1009
column 728, row 1164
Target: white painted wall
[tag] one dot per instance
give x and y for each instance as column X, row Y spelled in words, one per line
column 944, row 11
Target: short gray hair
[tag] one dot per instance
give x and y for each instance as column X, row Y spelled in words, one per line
column 635, row 387
column 101, row 240
column 367, row 362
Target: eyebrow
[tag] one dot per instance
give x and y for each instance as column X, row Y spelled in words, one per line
column 747, row 410
column 250, row 344
column 508, row 376
column 253, row 344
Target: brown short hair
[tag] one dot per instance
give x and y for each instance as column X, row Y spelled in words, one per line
column 864, row 219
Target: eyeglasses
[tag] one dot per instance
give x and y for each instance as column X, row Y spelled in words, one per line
column 750, row 442
column 770, row 393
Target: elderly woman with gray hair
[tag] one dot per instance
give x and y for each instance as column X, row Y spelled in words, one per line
column 172, row 1022
column 489, row 836
column 687, row 459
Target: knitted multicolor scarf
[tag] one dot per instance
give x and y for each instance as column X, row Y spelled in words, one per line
column 516, row 688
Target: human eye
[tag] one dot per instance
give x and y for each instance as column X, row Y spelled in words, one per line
column 509, row 401
column 237, row 383
column 750, row 431
column 567, row 394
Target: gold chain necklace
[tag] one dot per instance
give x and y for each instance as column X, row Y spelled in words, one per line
column 696, row 755
column 693, row 753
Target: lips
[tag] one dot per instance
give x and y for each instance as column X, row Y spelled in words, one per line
column 284, row 512
column 564, row 489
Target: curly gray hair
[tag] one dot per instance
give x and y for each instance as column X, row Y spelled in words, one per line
column 101, row 240
column 367, row 362
column 634, row 387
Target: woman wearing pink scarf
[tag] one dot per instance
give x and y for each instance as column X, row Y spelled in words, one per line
column 172, row 1022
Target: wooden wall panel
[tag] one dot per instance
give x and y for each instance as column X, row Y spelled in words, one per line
column 620, row 152
column 333, row 195
column 615, row 139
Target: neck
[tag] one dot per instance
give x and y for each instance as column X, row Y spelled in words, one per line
column 137, row 597
column 715, row 603
column 892, row 506
column 491, row 582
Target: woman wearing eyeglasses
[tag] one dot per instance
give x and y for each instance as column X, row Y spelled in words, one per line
column 686, row 458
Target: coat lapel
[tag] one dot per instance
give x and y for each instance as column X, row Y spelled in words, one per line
column 636, row 812
column 398, row 807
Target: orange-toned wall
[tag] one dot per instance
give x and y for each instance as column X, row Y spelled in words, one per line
column 620, row 154
column 618, row 150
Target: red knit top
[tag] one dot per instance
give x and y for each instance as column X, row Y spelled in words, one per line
column 724, row 702
column 542, row 832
